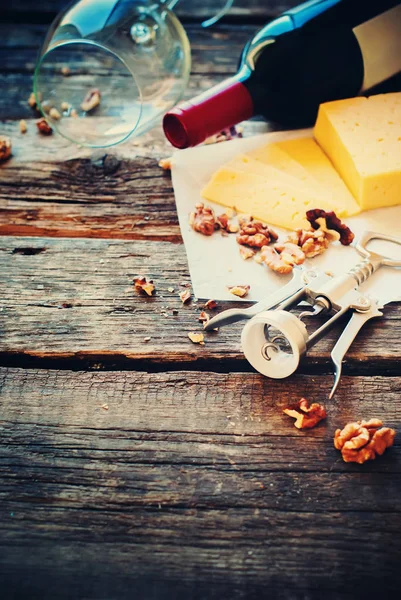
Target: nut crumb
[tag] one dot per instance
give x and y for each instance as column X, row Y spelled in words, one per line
column 239, row 290
column 65, row 106
column 142, row 284
column 44, row 127
column 54, row 114
column 105, row 406
column 5, row 148
column 91, row 100
column 166, row 163
column 204, row 318
column 363, row 440
column 196, row 338
column 147, row 339
column 210, row 304
column 46, row 107
column 185, row 296
column 170, row 289
column 306, row 416
column 73, row 113
column 23, row 127
column 246, row 252
column 32, row 100
column 65, row 71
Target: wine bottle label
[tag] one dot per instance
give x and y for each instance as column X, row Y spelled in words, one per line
column 380, row 43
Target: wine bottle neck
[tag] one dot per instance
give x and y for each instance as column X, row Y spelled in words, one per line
column 209, row 113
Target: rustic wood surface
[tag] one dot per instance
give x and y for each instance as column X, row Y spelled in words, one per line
column 159, row 469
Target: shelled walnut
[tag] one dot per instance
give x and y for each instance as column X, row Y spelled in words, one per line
column 281, row 258
column 203, row 219
column 311, row 242
column 306, row 416
column 331, row 225
column 363, row 440
column 254, row 233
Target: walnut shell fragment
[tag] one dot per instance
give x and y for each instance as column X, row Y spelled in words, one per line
column 363, row 440
column 331, row 223
column 142, row 284
column 306, row 416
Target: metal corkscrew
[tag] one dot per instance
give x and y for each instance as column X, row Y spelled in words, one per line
column 274, row 340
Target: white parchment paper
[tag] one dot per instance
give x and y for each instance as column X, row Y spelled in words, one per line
column 215, row 262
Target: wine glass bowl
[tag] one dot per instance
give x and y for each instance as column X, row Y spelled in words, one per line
column 134, row 56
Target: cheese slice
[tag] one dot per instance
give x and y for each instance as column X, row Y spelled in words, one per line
column 244, row 162
column 272, row 201
column 312, row 158
column 271, row 154
column 362, row 138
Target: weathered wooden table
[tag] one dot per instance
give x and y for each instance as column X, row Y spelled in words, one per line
column 160, row 469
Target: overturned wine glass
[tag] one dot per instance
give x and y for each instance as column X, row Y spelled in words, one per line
column 111, row 68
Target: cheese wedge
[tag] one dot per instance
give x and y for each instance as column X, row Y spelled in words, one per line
column 312, row 158
column 362, row 138
column 272, row 201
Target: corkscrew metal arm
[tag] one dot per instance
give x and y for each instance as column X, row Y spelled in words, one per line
column 354, row 326
column 283, row 298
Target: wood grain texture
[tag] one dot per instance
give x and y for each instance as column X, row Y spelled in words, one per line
column 52, row 188
column 108, row 321
column 191, row 485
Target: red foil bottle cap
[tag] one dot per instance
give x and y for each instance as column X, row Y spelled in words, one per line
column 223, row 106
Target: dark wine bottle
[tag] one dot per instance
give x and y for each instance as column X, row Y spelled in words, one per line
column 322, row 50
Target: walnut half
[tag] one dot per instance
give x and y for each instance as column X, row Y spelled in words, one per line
column 330, row 223
column 254, row 233
column 281, row 258
column 363, row 440
column 306, row 416
column 202, row 219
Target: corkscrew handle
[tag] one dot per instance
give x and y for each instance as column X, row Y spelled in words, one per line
column 368, row 236
column 372, row 260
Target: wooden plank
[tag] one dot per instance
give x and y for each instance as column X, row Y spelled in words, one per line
column 214, row 50
column 189, row 9
column 107, row 321
column 51, row 187
column 189, row 482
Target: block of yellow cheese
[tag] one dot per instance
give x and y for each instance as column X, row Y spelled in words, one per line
column 362, row 138
column 273, row 201
column 311, row 157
